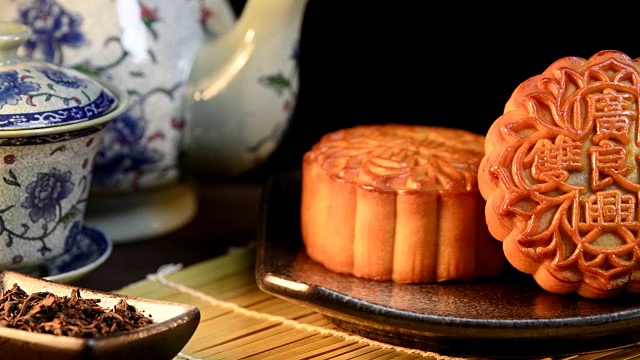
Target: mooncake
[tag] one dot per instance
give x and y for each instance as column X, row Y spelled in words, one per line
column 399, row 203
column 560, row 176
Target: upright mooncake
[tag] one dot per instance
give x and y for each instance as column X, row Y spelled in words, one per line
column 398, row 202
column 560, row 176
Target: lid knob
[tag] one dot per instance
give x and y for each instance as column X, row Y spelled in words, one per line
column 12, row 35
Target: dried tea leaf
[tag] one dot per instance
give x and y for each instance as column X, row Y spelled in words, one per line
column 45, row 312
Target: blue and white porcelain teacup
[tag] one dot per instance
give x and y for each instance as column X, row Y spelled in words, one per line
column 51, row 122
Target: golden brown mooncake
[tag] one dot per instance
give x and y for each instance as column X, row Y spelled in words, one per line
column 398, row 202
column 560, row 176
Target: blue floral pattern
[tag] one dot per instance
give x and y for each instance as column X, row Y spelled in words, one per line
column 43, row 200
column 12, row 88
column 49, row 106
column 45, row 194
column 62, row 78
column 72, row 236
column 126, row 152
column 52, row 27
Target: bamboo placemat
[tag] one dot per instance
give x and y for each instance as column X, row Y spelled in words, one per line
column 239, row 321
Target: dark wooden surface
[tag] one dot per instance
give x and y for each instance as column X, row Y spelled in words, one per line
column 227, row 216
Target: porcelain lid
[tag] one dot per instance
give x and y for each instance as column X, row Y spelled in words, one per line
column 36, row 94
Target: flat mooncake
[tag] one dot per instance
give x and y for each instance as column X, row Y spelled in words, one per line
column 560, row 176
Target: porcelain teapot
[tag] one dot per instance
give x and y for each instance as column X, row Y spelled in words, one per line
column 145, row 47
column 242, row 90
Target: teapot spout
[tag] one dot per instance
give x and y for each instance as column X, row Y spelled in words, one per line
column 242, row 90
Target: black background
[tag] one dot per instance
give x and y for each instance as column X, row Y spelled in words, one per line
column 433, row 63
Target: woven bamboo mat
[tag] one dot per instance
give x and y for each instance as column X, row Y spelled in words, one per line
column 239, row 321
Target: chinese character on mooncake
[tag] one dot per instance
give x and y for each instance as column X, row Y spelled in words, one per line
column 560, row 176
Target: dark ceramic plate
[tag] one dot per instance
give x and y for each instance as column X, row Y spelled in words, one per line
column 506, row 317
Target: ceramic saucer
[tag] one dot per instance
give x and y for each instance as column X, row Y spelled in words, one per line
column 91, row 249
column 142, row 215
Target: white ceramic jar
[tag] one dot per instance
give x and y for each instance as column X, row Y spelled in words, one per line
column 51, row 122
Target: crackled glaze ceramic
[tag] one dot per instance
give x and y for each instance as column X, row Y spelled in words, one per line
column 51, row 121
column 145, row 47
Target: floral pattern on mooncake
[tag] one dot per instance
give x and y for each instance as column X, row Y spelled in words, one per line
column 402, row 157
column 560, row 176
